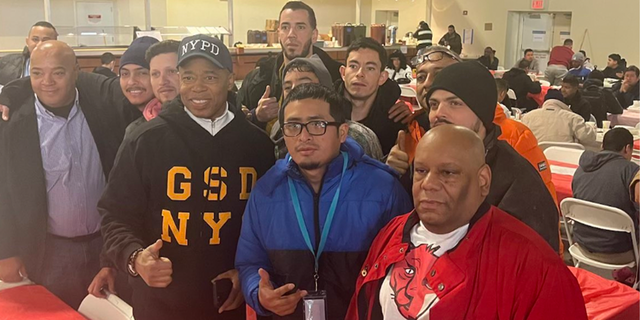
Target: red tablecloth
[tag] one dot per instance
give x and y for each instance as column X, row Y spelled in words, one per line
column 607, row 299
column 562, row 182
column 34, row 302
column 539, row 97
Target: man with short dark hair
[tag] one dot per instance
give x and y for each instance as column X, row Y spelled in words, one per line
column 559, row 62
column 457, row 257
column 16, row 65
column 533, row 66
column 615, row 67
column 107, row 65
column 452, row 39
column 311, row 218
column 601, row 99
column 573, row 97
column 311, row 70
column 522, row 85
column 169, row 228
column 297, row 32
column 372, row 94
column 629, row 89
column 604, row 178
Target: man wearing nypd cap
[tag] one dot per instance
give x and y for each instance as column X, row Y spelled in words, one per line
column 173, row 207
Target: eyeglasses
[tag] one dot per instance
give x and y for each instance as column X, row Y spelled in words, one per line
column 314, row 128
column 435, row 56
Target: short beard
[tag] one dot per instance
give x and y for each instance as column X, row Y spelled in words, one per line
column 309, row 166
column 477, row 126
column 305, row 51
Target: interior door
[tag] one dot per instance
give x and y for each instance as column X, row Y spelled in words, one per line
column 537, row 34
column 96, row 23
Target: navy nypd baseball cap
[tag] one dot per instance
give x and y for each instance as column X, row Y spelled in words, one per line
column 208, row 47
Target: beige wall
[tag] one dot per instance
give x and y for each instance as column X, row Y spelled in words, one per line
column 598, row 16
column 410, row 13
column 14, row 27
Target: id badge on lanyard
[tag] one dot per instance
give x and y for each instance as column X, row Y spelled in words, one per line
column 315, row 303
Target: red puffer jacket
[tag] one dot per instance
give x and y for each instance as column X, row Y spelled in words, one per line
column 500, row 270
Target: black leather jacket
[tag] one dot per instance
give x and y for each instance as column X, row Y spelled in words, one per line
column 12, row 66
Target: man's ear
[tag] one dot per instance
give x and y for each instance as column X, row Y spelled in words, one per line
column 384, row 75
column 232, row 77
column 342, row 69
column 484, row 179
column 314, row 38
column 343, row 132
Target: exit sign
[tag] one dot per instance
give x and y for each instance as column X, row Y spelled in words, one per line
column 537, row 4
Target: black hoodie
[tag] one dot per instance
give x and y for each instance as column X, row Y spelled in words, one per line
column 173, row 180
column 604, row 178
column 378, row 118
column 601, row 100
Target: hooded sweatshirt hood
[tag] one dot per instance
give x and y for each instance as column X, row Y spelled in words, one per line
column 591, row 161
column 318, row 69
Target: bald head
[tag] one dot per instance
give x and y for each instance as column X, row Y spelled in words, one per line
column 54, row 71
column 451, row 179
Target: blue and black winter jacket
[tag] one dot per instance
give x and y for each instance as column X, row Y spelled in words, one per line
column 271, row 239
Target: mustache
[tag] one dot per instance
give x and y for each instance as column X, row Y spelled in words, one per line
column 136, row 88
column 445, row 121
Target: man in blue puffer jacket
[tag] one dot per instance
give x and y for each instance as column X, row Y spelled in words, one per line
column 315, row 213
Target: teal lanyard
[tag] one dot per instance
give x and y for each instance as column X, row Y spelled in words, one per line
column 327, row 224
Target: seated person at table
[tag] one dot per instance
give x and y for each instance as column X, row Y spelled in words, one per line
column 573, row 98
column 312, row 70
column 587, row 61
column 555, row 122
column 604, row 178
column 503, row 97
column 528, row 55
column 522, row 85
column 577, row 67
column 397, row 67
column 468, row 98
column 457, row 257
column 628, row 90
column 601, row 99
column 615, row 66
column 489, row 59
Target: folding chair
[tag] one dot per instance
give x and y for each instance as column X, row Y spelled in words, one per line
column 601, row 217
column 562, row 154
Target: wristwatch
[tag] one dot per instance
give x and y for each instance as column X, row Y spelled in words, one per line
column 131, row 264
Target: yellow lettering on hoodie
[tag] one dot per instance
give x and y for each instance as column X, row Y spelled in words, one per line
column 223, row 217
column 185, row 187
column 179, row 233
column 245, row 172
column 209, row 178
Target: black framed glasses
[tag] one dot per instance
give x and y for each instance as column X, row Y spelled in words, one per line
column 314, row 128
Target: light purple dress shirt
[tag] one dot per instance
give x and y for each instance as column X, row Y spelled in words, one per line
column 73, row 171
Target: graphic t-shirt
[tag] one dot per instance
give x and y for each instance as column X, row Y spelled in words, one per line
column 405, row 292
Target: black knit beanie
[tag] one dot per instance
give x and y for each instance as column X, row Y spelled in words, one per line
column 472, row 83
column 554, row 94
column 136, row 51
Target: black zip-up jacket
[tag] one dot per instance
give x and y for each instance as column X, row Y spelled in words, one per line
column 268, row 73
column 579, row 105
column 156, row 191
column 12, row 66
column 378, row 118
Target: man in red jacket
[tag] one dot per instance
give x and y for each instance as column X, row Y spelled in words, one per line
column 457, row 257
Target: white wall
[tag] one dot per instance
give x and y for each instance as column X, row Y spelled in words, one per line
column 612, row 27
column 14, row 27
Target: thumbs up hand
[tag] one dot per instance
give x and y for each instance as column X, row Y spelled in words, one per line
column 268, row 107
column 155, row 270
column 398, row 158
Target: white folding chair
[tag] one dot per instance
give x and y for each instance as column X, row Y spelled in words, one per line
column 511, row 94
column 601, row 217
column 571, row 145
column 563, row 154
column 9, row 285
column 408, row 92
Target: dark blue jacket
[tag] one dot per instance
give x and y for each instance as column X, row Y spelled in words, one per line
column 271, row 239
